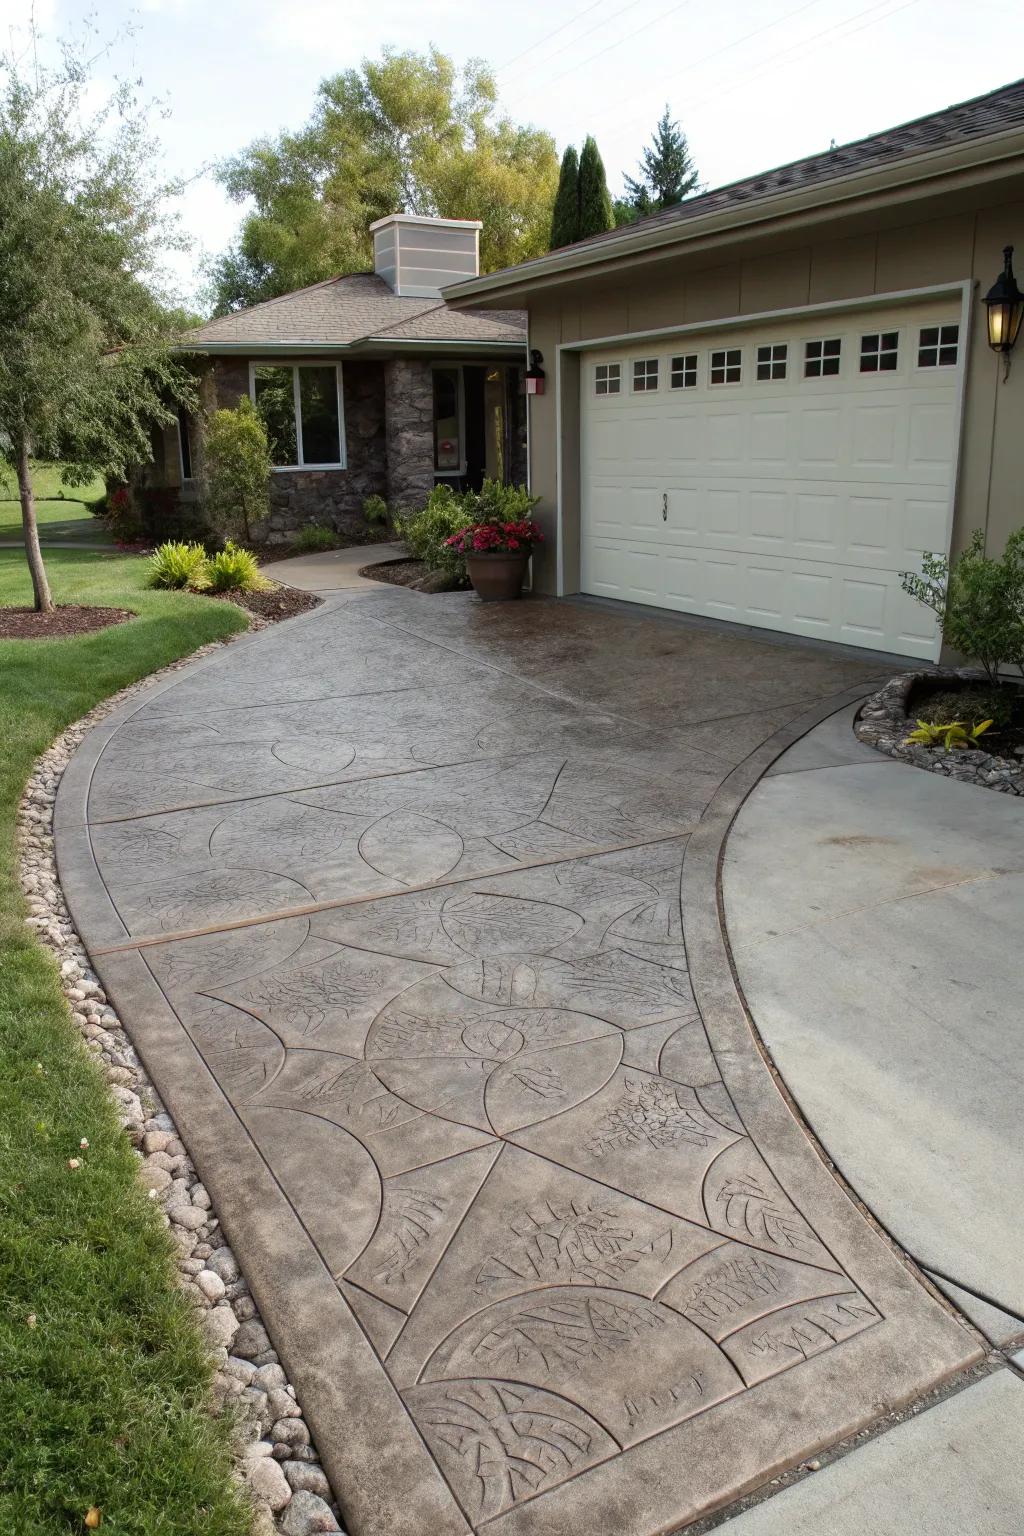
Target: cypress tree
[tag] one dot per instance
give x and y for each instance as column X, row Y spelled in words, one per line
column 565, row 217
column 595, row 200
column 667, row 171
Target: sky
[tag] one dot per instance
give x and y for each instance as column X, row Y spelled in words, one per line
column 753, row 83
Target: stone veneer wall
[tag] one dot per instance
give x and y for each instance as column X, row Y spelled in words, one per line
column 409, row 412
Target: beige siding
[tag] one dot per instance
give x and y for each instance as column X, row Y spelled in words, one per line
column 743, row 279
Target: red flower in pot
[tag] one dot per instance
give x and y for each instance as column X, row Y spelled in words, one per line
column 497, row 554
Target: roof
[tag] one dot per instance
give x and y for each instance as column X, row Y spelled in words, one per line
column 998, row 111
column 354, row 311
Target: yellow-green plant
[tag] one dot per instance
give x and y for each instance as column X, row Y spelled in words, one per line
column 954, row 736
column 179, row 565
column 234, row 569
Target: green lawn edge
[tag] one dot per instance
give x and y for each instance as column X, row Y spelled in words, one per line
column 104, row 1401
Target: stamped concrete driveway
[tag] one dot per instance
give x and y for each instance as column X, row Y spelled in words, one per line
column 411, row 906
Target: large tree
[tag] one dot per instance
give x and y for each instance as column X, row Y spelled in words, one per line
column 565, row 217
column 406, row 133
column 667, row 173
column 596, row 213
column 85, row 372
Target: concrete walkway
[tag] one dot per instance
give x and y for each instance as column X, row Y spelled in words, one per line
column 875, row 914
column 334, row 570
column 412, row 908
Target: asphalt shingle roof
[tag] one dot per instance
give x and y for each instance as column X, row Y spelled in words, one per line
column 345, row 310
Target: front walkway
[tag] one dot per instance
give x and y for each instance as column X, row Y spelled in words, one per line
column 333, row 570
column 412, row 907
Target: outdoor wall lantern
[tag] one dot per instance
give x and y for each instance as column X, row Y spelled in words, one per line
column 1005, row 304
column 535, row 374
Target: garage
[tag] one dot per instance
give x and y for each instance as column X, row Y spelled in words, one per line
column 778, row 474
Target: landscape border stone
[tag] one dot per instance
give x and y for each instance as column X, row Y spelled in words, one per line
column 883, row 723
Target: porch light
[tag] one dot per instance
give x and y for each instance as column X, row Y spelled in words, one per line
column 535, row 374
column 1005, row 304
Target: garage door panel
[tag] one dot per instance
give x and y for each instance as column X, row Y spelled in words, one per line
column 792, row 503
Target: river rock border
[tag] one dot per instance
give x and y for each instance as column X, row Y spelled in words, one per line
column 884, row 724
column 276, row 1459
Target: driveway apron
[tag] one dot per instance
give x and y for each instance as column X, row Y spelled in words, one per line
column 411, row 907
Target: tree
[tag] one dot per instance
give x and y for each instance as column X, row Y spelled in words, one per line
column 595, row 201
column 405, row 133
column 565, row 218
column 667, row 171
column 236, row 469
column 85, row 369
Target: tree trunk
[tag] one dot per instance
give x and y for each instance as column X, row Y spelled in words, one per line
column 33, row 554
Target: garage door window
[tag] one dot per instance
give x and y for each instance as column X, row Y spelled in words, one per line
column 607, row 379
column 645, row 375
column 937, row 346
column 879, row 352
column 771, row 361
column 684, row 371
column 725, row 366
column 821, row 358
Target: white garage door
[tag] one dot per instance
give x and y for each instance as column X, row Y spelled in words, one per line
column 780, row 476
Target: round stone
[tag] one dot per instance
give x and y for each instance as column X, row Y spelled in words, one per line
column 268, row 1483
column 306, row 1515
column 251, row 1340
column 221, row 1326
column 222, row 1262
column 211, row 1284
column 305, row 1477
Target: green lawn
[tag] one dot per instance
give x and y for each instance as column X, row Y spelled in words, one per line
column 102, row 1401
column 61, row 510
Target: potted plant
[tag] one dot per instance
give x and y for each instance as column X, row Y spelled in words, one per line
column 498, row 543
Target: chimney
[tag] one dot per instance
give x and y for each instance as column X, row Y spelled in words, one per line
column 418, row 256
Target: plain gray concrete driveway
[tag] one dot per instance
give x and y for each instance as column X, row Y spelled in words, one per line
column 412, row 908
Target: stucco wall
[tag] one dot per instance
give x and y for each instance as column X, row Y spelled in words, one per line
column 750, row 277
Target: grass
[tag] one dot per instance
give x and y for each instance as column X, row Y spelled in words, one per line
column 62, row 511
column 102, row 1402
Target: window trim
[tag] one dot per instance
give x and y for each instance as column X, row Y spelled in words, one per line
column 939, row 346
column 896, row 352
column 294, row 364
column 771, row 362
column 647, row 389
column 823, row 357
column 607, row 393
column 684, row 358
column 449, row 474
column 724, row 383
column 184, row 437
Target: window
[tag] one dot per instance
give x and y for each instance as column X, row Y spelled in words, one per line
column 684, row 371
column 771, row 360
column 879, row 352
column 821, row 358
column 301, row 407
column 184, row 444
column 645, row 375
column 725, row 366
column 937, row 346
column 607, row 379
column 448, row 415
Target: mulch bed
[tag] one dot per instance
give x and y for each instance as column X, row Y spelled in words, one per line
column 276, row 604
column 399, row 573
column 66, row 619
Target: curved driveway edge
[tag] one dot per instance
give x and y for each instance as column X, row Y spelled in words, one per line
column 390, row 904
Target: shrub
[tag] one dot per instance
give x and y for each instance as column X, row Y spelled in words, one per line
column 426, row 532
column 235, row 570
column 953, row 735
column 236, row 469
column 979, row 601
column 120, row 515
column 375, row 511
column 314, row 536
column 179, row 565
column 499, row 503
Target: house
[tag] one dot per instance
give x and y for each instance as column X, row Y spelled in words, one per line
column 763, row 404
column 370, row 384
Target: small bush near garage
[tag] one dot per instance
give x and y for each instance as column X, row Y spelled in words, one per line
column 178, row 565
column 315, row 537
column 234, row 569
column 426, row 531
column 236, row 470
column 979, row 601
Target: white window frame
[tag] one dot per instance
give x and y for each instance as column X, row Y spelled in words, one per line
column 449, row 474
column 646, row 388
column 688, row 370
column 778, row 353
column 724, row 383
column 185, row 479
column 882, row 352
column 822, row 358
column 603, row 394
column 940, row 345
column 295, row 364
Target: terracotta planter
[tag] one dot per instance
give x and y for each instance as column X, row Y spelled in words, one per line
column 497, row 574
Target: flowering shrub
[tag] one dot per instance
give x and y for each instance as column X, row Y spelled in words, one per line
column 482, row 538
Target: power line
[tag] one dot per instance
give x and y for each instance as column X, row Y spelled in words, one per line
column 501, row 68
column 581, row 63
column 573, row 41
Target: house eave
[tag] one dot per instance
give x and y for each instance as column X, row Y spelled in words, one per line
column 980, row 160
column 367, row 346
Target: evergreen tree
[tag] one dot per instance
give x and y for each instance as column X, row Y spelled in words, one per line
column 565, row 219
column 596, row 214
column 667, row 171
